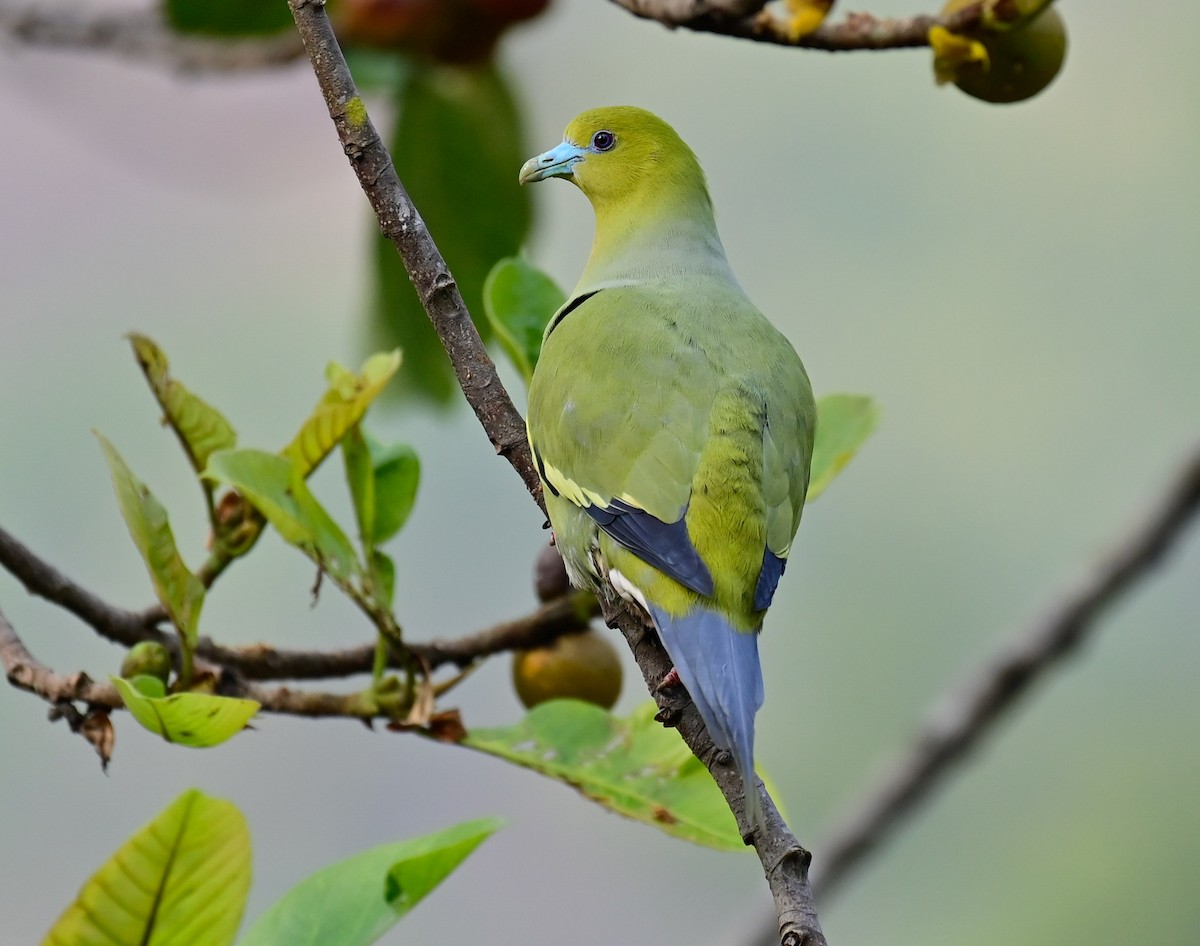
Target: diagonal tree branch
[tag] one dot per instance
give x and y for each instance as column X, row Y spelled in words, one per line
column 784, row 860
column 977, row 704
column 403, row 226
column 980, row 702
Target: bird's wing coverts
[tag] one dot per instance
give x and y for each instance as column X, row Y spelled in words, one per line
column 665, row 545
column 627, row 445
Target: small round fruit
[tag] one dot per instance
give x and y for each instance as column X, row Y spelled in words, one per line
column 581, row 666
column 149, row 658
column 550, row 575
column 1021, row 61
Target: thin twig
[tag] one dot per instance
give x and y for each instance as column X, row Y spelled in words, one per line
column 262, row 662
column 856, row 32
column 784, row 860
column 26, row 672
column 143, row 36
column 961, row 721
column 118, row 625
column 550, row 621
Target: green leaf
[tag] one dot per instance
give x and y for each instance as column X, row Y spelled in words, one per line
column 355, row 901
column 383, row 484
column 397, row 475
column 178, row 590
column 183, row 878
column 844, row 422
column 360, row 477
column 342, row 406
column 198, row 720
column 201, row 429
column 383, row 578
column 274, row 486
column 632, row 766
column 228, row 17
column 457, row 145
column 519, row 300
column 376, row 70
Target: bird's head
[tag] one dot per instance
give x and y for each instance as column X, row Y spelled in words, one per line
column 619, row 156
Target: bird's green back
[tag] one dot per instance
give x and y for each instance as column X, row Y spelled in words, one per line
column 702, row 407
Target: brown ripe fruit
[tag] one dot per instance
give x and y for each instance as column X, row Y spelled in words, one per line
column 581, row 666
column 385, row 24
column 451, row 31
column 550, row 575
column 1021, row 61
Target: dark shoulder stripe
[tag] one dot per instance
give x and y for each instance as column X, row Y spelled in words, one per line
column 665, row 545
column 768, row 579
column 569, row 308
column 541, row 468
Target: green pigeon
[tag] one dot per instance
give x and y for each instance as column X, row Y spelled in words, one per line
column 671, row 423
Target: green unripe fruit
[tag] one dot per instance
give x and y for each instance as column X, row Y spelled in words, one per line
column 149, row 659
column 581, row 666
column 1021, row 61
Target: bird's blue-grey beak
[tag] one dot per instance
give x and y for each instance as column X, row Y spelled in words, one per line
column 557, row 162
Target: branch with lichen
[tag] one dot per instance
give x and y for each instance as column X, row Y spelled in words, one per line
column 784, row 860
column 144, row 36
column 759, row 22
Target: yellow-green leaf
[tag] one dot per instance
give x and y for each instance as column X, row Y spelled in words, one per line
column 198, row 720
column 844, row 422
column 183, row 878
column 275, row 487
column 632, row 766
column 342, row 406
column 201, row 428
column 178, row 590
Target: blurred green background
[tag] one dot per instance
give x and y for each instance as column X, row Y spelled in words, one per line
column 1018, row 286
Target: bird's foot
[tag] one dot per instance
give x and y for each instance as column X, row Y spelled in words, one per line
column 670, row 680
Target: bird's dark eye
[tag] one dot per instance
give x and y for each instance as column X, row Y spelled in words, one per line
column 603, row 140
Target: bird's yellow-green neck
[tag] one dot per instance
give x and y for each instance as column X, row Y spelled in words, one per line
column 664, row 228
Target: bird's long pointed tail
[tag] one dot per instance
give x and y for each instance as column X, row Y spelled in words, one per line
column 719, row 665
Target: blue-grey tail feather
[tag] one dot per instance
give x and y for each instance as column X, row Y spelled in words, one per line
column 720, row 668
